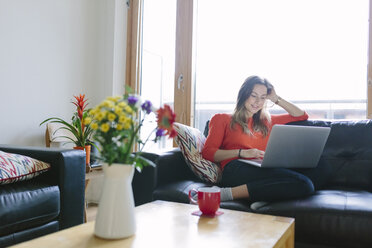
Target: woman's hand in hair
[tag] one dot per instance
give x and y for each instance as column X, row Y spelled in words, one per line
column 272, row 96
column 287, row 106
column 252, row 153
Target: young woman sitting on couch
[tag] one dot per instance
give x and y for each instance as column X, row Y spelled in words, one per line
column 243, row 135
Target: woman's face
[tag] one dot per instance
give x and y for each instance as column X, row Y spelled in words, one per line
column 256, row 100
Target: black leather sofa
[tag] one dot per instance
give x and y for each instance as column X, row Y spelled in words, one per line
column 48, row 203
column 339, row 214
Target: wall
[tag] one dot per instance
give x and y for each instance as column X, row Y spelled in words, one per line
column 51, row 50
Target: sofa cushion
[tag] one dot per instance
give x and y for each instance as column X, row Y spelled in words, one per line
column 329, row 216
column 27, row 204
column 16, row 167
column 348, row 152
column 28, row 234
column 191, row 141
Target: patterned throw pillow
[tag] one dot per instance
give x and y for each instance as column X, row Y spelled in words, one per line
column 15, row 167
column 191, row 141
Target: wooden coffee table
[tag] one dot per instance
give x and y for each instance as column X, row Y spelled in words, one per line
column 169, row 224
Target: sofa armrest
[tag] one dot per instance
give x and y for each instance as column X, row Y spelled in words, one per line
column 168, row 166
column 68, row 172
column 144, row 182
column 143, row 185
column 171, row 167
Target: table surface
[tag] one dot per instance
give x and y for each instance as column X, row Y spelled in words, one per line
column 169, row 224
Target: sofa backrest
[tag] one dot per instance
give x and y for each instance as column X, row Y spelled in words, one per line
column 348, row 152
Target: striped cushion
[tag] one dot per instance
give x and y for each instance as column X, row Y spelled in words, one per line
column 15, row 167
column 191, row 141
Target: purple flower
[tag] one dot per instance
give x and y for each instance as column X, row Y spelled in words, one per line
column 132, row 100
column 160, row 132
column 146, row 106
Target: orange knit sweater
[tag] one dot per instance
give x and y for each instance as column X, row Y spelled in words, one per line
column 221, row 136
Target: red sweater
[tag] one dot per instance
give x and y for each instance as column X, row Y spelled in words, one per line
column 221, row 136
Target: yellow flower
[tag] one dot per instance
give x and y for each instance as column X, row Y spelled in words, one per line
column 111, row 117
column 122, row 104
column 87, row 120
column 108, row 104
column 128, row 121
column 93, row 111
column 100, row 115
column 114, row 98
column 128, row 109
column 119, row 127
column 126, row 125
column 94, row 126
column 118, row 110
column 123, row 118
column 105, row 127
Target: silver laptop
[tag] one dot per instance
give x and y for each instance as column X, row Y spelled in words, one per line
column 293, row 147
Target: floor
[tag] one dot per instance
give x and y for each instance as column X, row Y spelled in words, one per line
column 93, row 178
column 91, row 211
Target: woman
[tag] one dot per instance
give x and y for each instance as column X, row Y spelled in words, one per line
column 244, row 135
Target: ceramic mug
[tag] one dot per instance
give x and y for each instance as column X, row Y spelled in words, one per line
column 208, row 199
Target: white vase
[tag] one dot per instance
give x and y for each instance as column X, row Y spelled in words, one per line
column 115, row 216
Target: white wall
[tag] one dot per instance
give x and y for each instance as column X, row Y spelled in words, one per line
column 51, row 50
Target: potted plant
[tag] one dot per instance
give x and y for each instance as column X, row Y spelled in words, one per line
column 117, row 122
column 79, row 127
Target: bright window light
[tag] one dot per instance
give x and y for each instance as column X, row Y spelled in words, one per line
column 313, row 51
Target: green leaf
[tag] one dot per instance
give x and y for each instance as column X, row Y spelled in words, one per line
column 79, row 138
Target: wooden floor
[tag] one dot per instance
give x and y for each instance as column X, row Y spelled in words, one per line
column 91, row 211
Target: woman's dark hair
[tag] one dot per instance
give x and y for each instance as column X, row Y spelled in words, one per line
column 240, row 115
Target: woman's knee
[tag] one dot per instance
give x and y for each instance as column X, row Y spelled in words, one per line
column 306, row 184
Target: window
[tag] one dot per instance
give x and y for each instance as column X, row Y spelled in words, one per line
column 158, row 61
column 314, row 53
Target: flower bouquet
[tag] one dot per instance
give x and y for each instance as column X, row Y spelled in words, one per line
column 117, row 123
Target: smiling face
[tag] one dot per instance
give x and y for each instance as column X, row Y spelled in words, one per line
column 256, row 100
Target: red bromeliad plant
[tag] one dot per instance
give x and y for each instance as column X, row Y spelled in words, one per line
column 80, row 115
column 80, row 126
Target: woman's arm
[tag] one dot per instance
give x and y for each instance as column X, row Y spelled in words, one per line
column 287, row 106
column 221, row 155
column 217, row 126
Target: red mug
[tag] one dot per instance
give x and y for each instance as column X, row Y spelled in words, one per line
column 208, row 199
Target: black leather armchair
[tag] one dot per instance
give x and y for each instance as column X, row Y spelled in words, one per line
column 48, row 203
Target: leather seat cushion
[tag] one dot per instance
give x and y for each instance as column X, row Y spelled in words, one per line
column 330, row 216
column 31, row 233
column 27, row 204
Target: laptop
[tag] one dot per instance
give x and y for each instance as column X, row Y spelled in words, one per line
column 293, row 147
